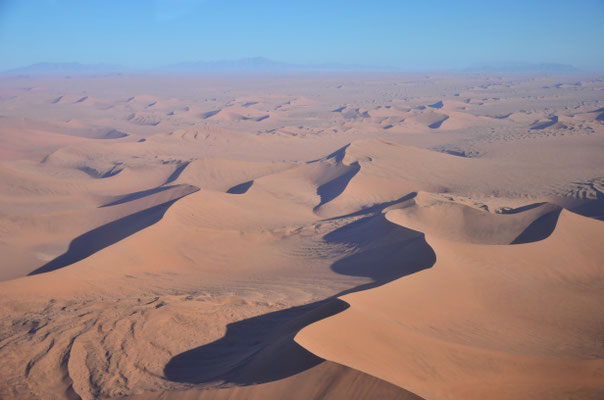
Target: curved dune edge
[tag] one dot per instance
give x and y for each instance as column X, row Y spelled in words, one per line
column 152, row 205
column 475, row 326
column 328, row 380
column 450, row 220
column 278, row 368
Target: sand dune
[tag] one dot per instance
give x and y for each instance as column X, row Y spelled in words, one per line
column 327, row 380
column 144, row 119
column 542, row 125
column 99, row 238
column 458, row 222
column 432, row 120
column 301, row 237
column 236, row 113
column 222, row 175
column 520, row 349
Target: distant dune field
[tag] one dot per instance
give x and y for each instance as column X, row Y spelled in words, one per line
column 319, row 236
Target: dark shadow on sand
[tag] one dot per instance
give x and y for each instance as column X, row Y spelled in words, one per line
column 104, row 236
column 539, row 229
column 390, row 251
column 262, row 349
column 137, row 195
column 241, row 188
column 376, row 208
column 542, row 125
column 592, row 208
column 256, row 350
column 174, row 176
column 437, row 124
column 335, row 187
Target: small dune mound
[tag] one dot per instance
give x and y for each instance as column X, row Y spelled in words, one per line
column 436, row 124
column 209, row 114
column 99, row 173
column 430, row 119
column 352, row 113
column 457, row 222
column 141, row 101
column 112, row 134
column 461, row 153
column 241, row 188
column 70, row 99
column 438, row 104
column 538, row 125
column 144, row 119
column 450, row 121
column 236, row 114
column 226, row 175
column 500, row 116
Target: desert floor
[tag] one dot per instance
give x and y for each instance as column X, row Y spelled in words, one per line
column 332, row 236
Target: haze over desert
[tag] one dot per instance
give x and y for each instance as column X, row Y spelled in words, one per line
column 382, row 207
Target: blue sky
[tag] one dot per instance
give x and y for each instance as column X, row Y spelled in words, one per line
column 412, row 35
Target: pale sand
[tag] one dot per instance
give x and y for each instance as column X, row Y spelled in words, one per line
column 301, row 237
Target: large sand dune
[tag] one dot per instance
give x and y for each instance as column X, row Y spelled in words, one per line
column 334, row 237
column 484, row 322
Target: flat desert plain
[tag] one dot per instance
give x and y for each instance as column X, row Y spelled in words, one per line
column 309, row 236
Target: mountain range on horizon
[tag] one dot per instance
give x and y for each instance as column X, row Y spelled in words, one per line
column 263, row 64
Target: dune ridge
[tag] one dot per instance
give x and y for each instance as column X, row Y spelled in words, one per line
column 301, row 237
column 504, row 355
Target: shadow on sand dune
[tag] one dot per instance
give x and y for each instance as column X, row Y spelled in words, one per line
column 262, row 349
column 396, row 253
column 542, row 125
column 137, row 195
column 97, row 239
column 241, row 188
column 255, row 350
column 177, row 171
column 336, row 186
column 592, row 208
column 539, row 229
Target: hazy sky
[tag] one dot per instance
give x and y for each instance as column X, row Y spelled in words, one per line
column 398, row 33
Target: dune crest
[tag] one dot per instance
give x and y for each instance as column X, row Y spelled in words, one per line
column 312, row 236
column 504, row 287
